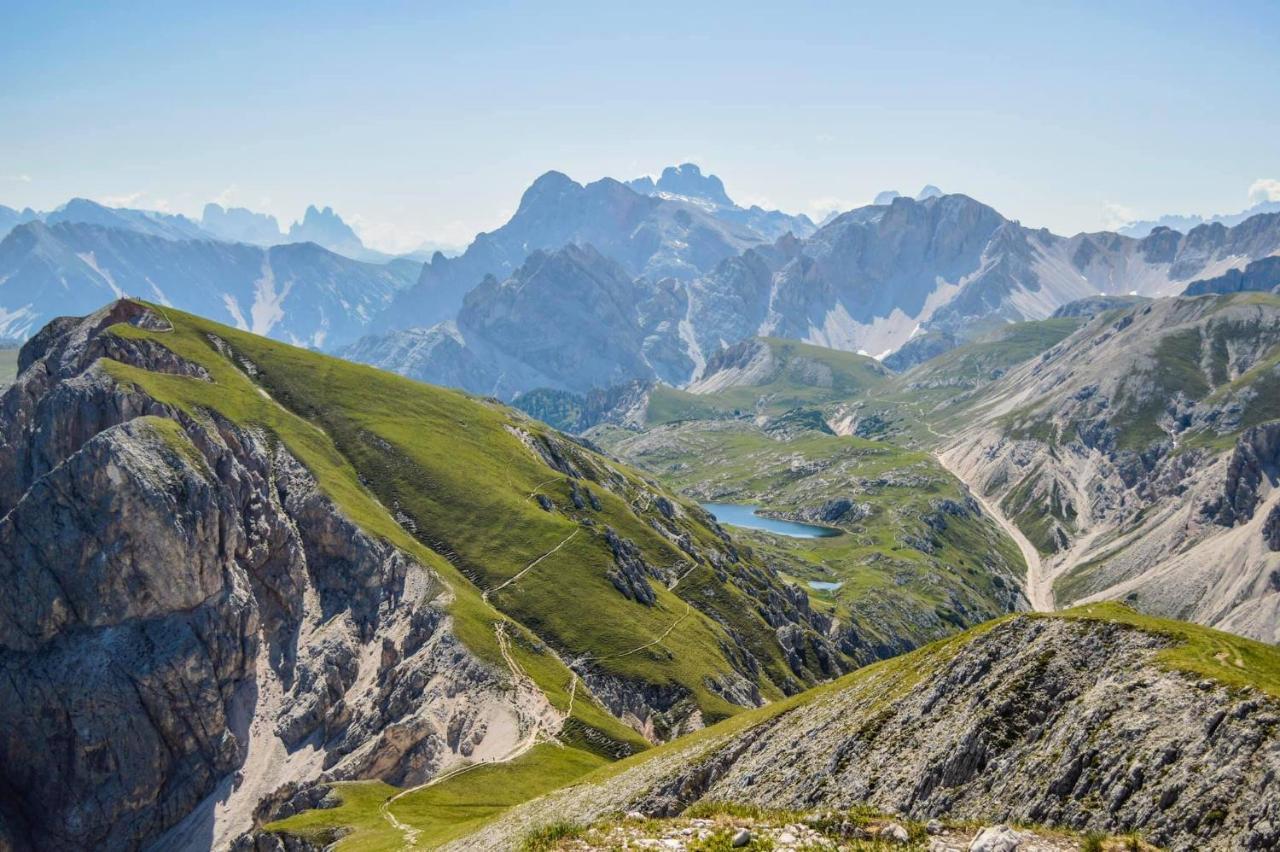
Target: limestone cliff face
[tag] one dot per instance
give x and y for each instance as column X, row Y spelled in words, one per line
column 191, row 622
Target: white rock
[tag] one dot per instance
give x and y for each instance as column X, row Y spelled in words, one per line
column 933, row 827
column 742, row 838
column 997, row 838
column 635, row 815
column 894, row 831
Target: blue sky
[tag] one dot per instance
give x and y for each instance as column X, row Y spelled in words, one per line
column 427, row 121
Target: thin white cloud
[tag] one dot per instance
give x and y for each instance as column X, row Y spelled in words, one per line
column 824, row 138
column 1264, row 189
column 395, row 238
column 16, row 178
column 126, row 199
column 1116, row 215
column 830, row 204
column 141, row 200
column 224, row 198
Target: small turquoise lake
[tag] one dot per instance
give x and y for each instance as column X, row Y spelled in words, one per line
column 745, row 516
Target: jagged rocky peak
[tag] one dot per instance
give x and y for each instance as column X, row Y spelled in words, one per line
column 688, row 181
column 326, row 228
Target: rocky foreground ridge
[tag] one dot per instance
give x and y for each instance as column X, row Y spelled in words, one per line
column 1098, row 721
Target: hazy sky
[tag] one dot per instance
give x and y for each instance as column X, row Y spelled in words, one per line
column 421, row 121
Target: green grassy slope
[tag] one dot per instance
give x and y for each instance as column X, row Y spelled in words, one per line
column 452, row 480
column 989, row 357
column 805, row 375
column 909, row 571
column 452, row 465
column 1195, row 359
column 440, row 812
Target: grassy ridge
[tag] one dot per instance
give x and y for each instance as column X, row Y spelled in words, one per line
column 457, row 471
column 1193, row 651
column 804, row 375
column 455, row 466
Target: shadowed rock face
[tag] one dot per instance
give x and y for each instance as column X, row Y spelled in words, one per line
column 183, row 597
column 1261, row 275
column 571, row 320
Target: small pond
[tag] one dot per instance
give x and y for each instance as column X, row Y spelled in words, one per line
column 745, row 516
column 824, row 585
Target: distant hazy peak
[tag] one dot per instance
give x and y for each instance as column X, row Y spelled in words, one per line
column 325, row 228
column 1186, row 223
column 886, row 197
column 929, row 191
column 686, row 180
column 240, row 224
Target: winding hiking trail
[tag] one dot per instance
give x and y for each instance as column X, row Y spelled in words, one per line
column 528, row 695
column 485, row 594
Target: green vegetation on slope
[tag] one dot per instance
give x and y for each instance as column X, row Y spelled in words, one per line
column 439, row 812
column 469, row 488
column 1201, row 363
column 458, row 471
column 919, row 407
column 1195, row 650
column 989, row 357
column 232, row 395
column 913, row 564
column 803, row 375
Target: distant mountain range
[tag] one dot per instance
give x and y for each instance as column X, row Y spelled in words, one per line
column 1185, row 223
column 944, row 268
column 687, row 183
column 647, row 235
column 571, row 319
column 323, row 227
column 592, row 285
column 300, row 292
